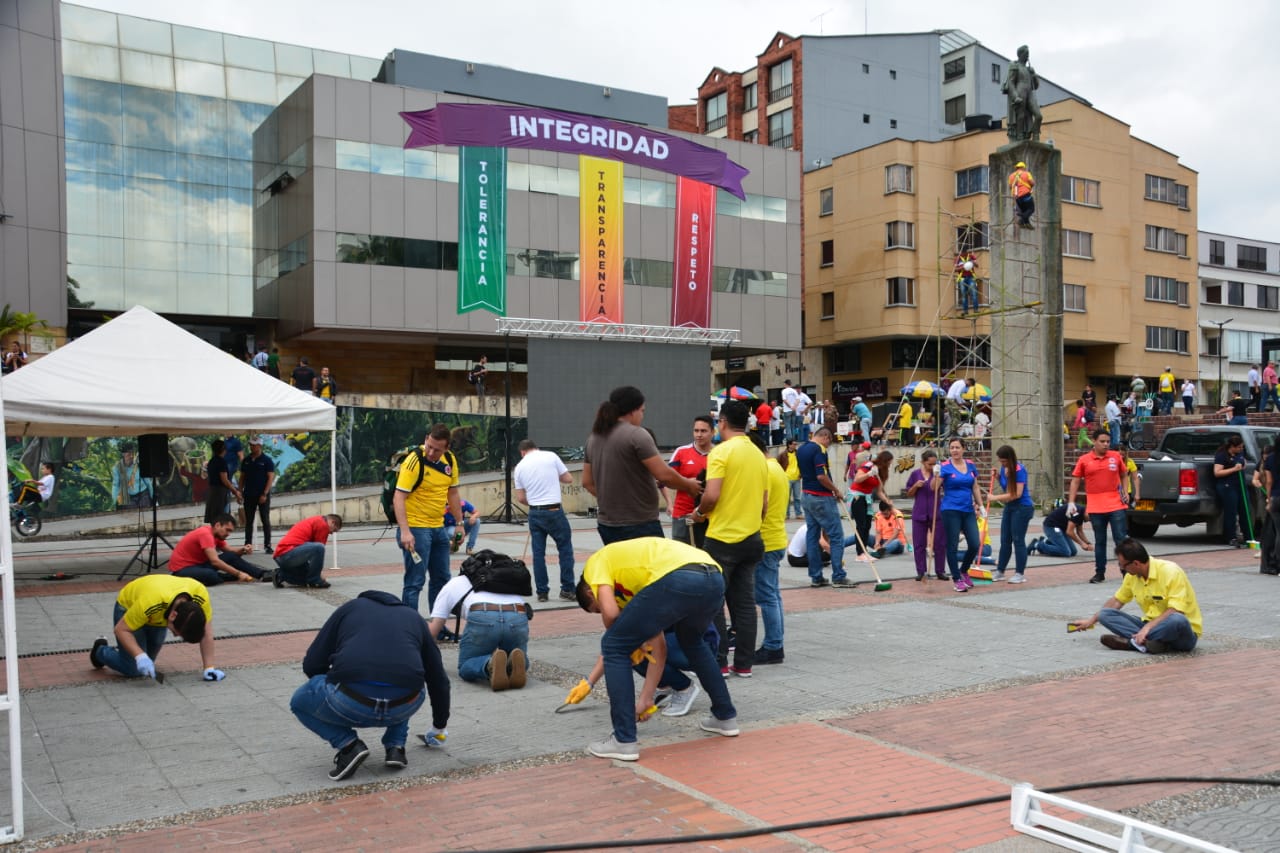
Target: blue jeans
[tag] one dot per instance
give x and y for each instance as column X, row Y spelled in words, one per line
column 335, row 716
column 769, row 598
column 149, row 638
column 553, row 523
column 1056, row 544
column 681, row 526
column 1239, row 420
column 1114, row 429
column 486, row 631
column 1174, row 631
column 822, row 514
column 432, row 545
column 610, row 533
column 471, row 528
column 954, row 522
column 789, row 424
column 1166, row 402
column 685, row 601
column 673, row 676
column 795, row 508
column 302, row 564
column 1270, row 397
column 893, row 546
column 1013, row 536
column 1119, row 523
column 968, row 295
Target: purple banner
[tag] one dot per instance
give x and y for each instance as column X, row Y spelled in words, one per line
column 571, row 133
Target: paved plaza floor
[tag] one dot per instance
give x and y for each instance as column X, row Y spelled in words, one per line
column 913, row 697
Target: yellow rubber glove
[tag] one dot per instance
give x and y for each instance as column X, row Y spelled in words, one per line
column 578, row 693
column 645, row 652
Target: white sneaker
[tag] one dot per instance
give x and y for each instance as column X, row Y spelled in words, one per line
column 1018, row 579
column 728, row 728
column 999, row 576
column 612, row 749
column 681, row 701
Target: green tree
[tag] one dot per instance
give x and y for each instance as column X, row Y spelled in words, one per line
column 20, row 322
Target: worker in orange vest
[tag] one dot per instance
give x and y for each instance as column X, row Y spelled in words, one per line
column 1020, row 185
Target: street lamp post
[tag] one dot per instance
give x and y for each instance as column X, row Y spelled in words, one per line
column 1222, row 353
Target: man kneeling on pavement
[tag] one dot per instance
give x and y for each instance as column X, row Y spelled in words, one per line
column 366, row 668
column 300, row 554
column 146, row 610
column 494, row 646
column 1170, row 615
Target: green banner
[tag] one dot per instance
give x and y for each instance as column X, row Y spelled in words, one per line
column 482, row 230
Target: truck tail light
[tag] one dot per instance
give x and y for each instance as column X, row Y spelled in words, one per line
column 1188, row 482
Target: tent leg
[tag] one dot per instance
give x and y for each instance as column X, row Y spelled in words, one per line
column 333, row 485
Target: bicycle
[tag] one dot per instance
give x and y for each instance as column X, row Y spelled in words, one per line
column 25, row 518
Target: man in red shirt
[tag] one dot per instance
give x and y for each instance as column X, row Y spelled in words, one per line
column 690, row 460
column 1106, row 486
column 203, row 555
column 300, row 554
column 764, row 414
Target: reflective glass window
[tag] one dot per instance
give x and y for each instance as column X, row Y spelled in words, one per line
column 201, row 257
column 653, row 193
column 753, row 207
column 364, row 68
column 200, row 124
column 200, row 78
column 156, row 289
column 333, row 64
column 146, row 35
column 203, row 293
column 256, row 87
column 242, row 120
column 201, row 169
column 150, row 255
column 447, row 168
column 286, row 86
column 149, row 209
column 249, row 53
column 151, row 163
column 728, row 204
column 91, row 25
column 99, row 62
column 544, row 179
column 354, row 156
column 569, row 185
column 95, row 204
column 517, row 174
column 775, row 209
column 94, row 157
column 95, row 251
column 386, row 159
column 146, row 69
column 239, row 260
column 92, row 110
column 148, row 117
column 100, row 287
column 631, row 192
column 294, row 60
column 203, row 45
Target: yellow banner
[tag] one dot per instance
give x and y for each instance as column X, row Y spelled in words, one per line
column 600, row 245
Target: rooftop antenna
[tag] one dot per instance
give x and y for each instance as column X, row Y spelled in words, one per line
column 819, row 18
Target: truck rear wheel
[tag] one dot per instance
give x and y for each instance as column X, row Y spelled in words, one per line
column 1142, row 530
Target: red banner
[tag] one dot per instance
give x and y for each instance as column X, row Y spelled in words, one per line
column 695, row 248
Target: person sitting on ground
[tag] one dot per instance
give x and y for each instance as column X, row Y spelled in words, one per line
column 146, row 610
column 1170, row 615
column 470, row 528
column 366, row 668
column 798, row 548
column 1062, row 533
column 891, row 536
column 203, row 554
column 494, row 645
column 299, row 555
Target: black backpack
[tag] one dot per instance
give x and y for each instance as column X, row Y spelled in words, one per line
column 490, row 571
column 393, row 474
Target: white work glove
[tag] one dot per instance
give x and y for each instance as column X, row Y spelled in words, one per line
column 146, row 666
column 212, row 674
column 1072, row 510
column 435, row 737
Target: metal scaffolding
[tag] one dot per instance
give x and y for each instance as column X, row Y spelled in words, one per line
column 533, row 328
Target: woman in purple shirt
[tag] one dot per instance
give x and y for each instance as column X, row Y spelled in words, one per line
column 925, row 518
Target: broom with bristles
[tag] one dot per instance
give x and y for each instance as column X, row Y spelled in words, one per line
column 980, row 573
column 881, row 584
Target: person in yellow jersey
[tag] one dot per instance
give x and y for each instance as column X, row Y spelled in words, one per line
column 734, row 501
column 906, row 423
column 426, row 484
column 641, row 588
column 146, row 611
column 1165, row 385
column 787, row 459
column 1170, row 613
column 773, row 533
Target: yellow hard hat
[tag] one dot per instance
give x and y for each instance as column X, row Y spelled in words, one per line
column 1020, row 165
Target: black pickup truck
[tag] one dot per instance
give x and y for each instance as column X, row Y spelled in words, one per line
column 1178, row 481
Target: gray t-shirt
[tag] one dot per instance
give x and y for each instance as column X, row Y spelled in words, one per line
column 626, row 492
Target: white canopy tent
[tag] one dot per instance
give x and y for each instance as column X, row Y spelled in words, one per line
column 137, row 374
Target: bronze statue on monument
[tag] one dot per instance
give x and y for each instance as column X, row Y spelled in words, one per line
column 1020, row 84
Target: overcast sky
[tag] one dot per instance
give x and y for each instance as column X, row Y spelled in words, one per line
column 1185, row 75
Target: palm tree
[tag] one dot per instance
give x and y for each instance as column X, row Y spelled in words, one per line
column 20, row 322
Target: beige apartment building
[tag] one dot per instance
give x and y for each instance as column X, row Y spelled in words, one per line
column 883, row 226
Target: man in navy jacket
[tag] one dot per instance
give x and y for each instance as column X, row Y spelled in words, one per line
column 367, row 667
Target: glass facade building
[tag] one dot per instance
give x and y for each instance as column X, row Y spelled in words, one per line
column 159, row 155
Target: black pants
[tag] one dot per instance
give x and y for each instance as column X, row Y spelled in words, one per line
column 1026, row 207
column 251, row 509
column 861, row 519
column 738, row 561
column 216, row 503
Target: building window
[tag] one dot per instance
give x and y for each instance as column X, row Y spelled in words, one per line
column 1073, row 297
column 1251, row 257
column 780, row 81
column 898, row 179
column 995, row 72
column 1269, row 297
column 828, row 305
column 780, row 130
column 866, row 118
column 953, row 70
column 1166, row 190
column 846, row 359
column 970, row 238
column 716, row 113
column 1077, row 244
column 749, row 96
column 1163, row 289
column 1166, row 240
column 900, row 235
column 1244, row 346
column 953, row 110
column 1213, row 294
column 1081, row 191
column 828, row 253
column 1218, row 253
column 900, row 291
column 750, row 136
column 970, row 181
column 826, row 201
column 1235, row 293
column 1212, row 345
column 866, row 69
column 1166, row 339
column 912, row 354
column 893, row 75
column 893, row 124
